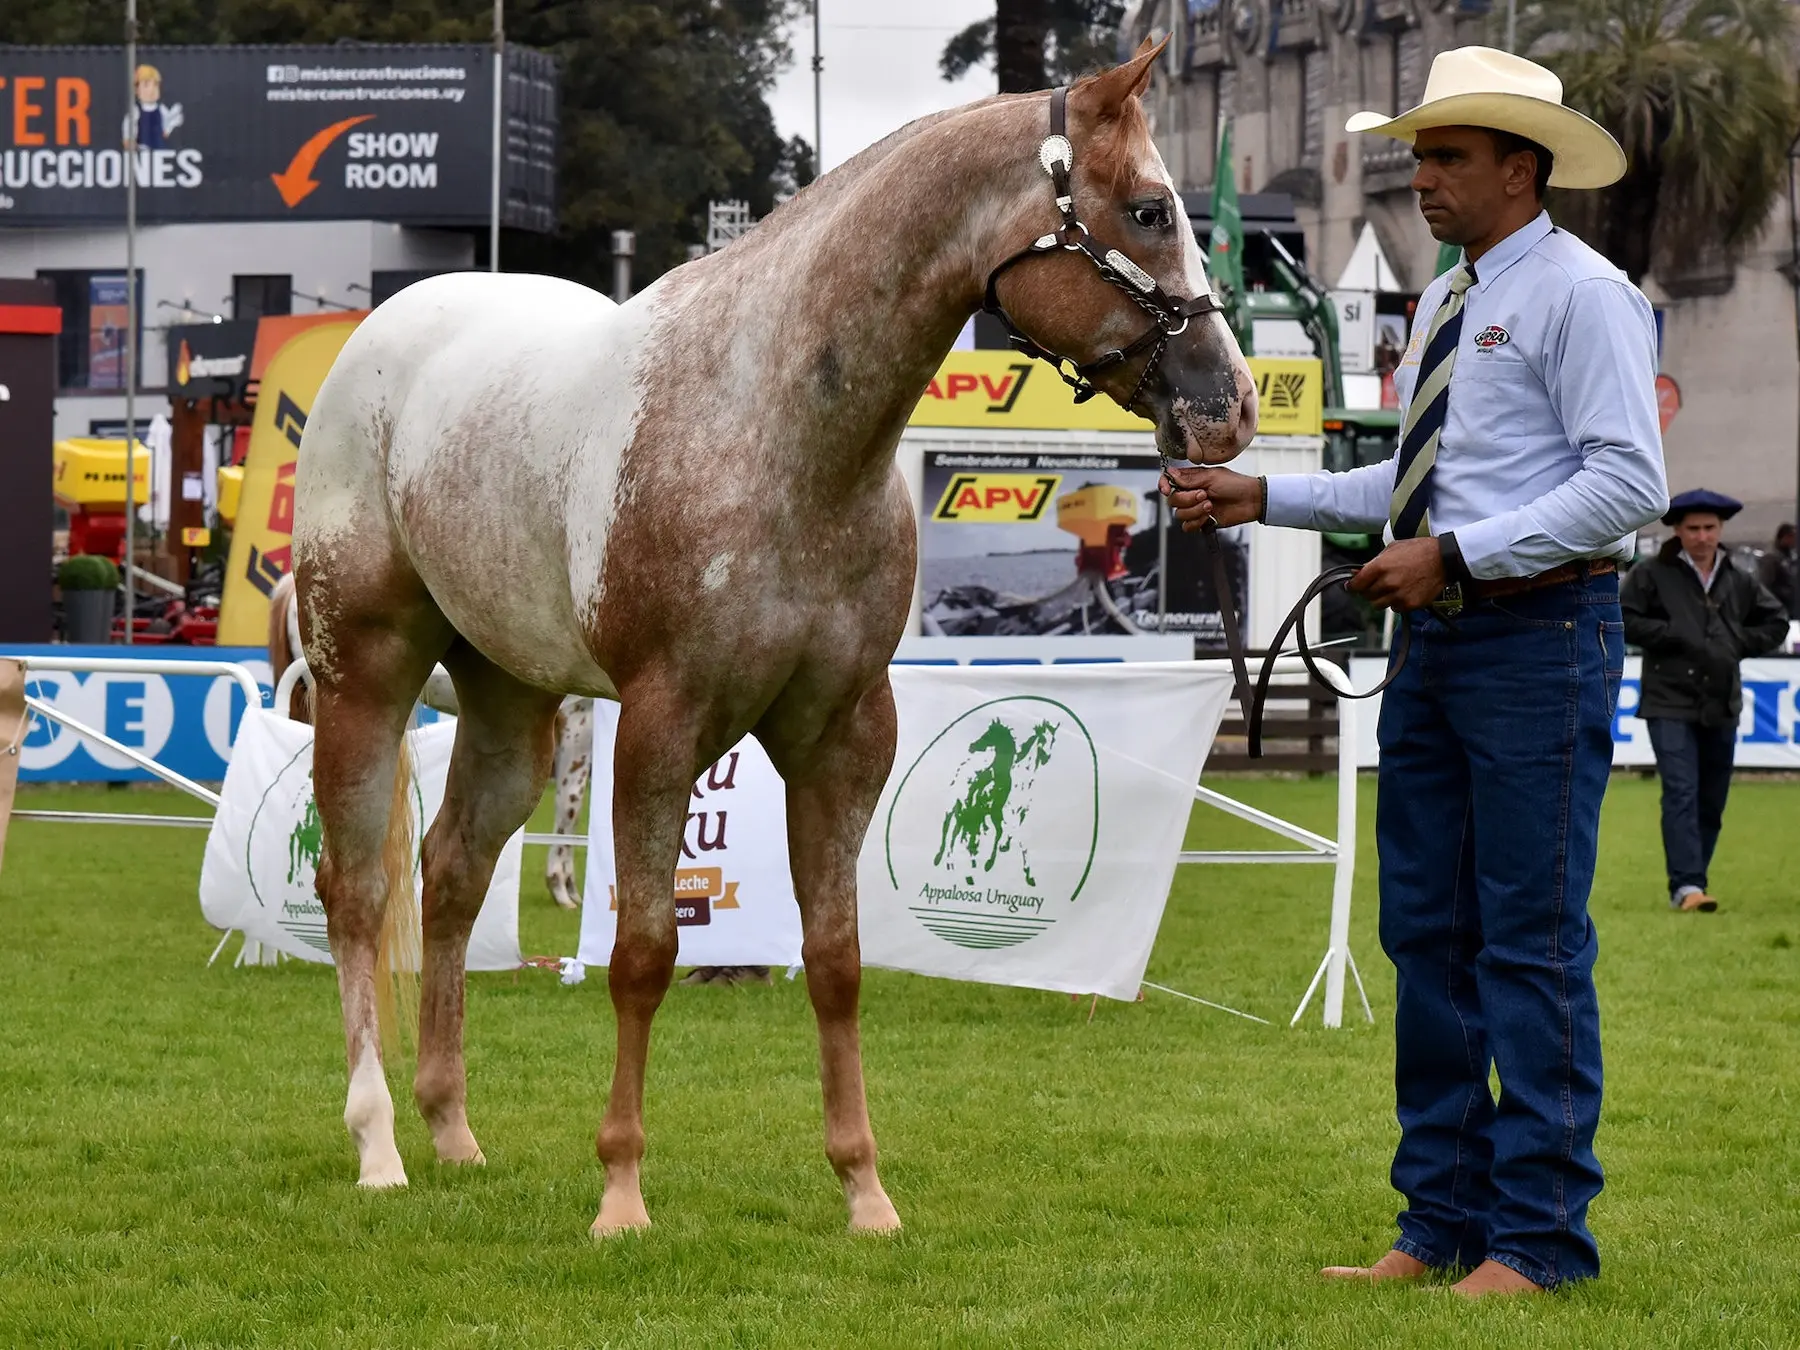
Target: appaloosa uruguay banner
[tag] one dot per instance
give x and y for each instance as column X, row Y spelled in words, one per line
column 262, row 853
column 1031, row 827
column 1027, row 836
column 734, row 897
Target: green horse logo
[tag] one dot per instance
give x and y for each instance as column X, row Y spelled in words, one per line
column 992, row 830
column 306, row 843
column 995, row 799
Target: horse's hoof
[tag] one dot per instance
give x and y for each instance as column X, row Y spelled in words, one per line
column 627, row 1219
column 386, row 1175
column 875, row 1215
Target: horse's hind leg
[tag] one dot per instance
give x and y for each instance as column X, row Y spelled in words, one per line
column 373, row 635
column 832, row 787
column 657, row 756
column 497, row 769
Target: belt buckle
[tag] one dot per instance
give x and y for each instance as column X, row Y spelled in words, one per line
column 1449, row 602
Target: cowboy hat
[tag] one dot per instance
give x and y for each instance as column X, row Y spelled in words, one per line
column 1481, row 87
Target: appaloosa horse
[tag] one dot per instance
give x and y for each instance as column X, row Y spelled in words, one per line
column 689, row 503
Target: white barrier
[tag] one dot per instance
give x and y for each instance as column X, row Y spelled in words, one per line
column 1339, row 853
column 94, row 665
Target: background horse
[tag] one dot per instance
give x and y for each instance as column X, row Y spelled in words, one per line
column 718, row 537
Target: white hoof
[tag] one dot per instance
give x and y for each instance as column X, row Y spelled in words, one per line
column 382, row 1174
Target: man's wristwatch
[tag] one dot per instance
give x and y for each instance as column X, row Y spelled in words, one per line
column 1262, row 503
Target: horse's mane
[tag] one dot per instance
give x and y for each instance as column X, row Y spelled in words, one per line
column 830, row 189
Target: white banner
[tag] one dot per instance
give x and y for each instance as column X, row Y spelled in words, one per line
column 1028, row 834
column 1031, row 827
column 734, row 898
column 1768, row 729
column 262, row 852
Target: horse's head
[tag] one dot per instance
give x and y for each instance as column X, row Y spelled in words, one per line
column 1099, row 269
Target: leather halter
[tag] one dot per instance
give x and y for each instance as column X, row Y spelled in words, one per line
column 1171, row 314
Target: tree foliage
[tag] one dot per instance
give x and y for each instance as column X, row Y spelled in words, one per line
column 1700, row 93
column 663, row 101
column 1033, row 43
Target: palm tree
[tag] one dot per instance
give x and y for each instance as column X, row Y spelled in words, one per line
column 1702, row 96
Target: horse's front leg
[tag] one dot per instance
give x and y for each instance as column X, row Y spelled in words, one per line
column 655, row 762
column 832, row 787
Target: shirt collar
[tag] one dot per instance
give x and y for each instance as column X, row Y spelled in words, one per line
column 1706, row 579
column 1510, row 249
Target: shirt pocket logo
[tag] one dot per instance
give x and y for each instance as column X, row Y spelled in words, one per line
column 1491, row 337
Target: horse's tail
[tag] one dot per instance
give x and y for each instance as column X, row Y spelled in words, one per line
column 284, row 647
column 397, row 953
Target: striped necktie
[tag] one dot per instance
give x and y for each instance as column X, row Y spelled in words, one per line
column 1410, row 509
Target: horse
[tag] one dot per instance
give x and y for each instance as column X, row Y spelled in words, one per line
column 689, row 503
column 574, row 733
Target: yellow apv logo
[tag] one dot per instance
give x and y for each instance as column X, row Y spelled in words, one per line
column 996, row 498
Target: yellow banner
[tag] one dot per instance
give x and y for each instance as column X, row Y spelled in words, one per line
column 1004, row 391
column 262, row 538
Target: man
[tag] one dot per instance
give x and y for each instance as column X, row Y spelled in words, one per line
column 1778, row 572
column 1696, row 616
column 155, row 120
column 1530, row 455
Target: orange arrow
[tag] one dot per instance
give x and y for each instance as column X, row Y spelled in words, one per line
column 297, row 181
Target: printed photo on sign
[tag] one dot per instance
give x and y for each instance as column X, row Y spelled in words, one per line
column 1061, row 544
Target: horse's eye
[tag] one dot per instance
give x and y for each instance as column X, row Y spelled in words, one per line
column 1151, row 217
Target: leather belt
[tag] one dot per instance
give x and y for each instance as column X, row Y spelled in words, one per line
column 1459, row 593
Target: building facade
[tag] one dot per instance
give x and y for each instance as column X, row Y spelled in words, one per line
column 1288, row 73
column 189, row 273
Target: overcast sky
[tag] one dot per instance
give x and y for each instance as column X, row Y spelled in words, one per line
column 881, row 70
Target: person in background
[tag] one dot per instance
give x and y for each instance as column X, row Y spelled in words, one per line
column 1696, row 615
column 1778, row 572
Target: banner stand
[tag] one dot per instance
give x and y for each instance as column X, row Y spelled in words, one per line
column 1339, row 853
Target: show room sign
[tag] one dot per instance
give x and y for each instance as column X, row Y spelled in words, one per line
column 401, row 133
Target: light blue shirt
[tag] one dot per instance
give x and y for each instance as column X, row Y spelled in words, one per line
column 1551, row 448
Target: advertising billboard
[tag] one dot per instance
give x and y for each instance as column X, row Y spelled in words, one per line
column 400, row 133
column 1052, row 543
column 998, row 390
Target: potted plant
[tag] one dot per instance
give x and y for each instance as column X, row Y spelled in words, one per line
column 90, row 585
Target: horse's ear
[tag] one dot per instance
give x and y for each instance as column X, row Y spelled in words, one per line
column 1108, row 92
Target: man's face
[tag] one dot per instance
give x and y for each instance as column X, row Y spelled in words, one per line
column 1464, row 189
column 1699, row 535
column 149, row 90
column 1784, row 539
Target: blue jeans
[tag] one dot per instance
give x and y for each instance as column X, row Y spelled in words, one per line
column 1496, row 743
column 1695, row 764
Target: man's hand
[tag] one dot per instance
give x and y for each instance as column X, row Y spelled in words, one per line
column 1224, row 495
column 1407, row 574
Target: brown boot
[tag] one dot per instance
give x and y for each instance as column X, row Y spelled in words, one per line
column 1697, row 901
column 1490, row 1277
column 1393, row 1266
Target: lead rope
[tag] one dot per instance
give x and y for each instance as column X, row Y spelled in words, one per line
column 1234, row 638
column 1296, row 624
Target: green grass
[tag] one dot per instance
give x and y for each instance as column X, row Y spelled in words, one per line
column 174, row 1171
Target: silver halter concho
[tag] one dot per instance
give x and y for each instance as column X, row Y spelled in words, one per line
column 1171, row 314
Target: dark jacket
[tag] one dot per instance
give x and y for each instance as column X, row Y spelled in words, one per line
column 1778, row 575
column 1693, row 640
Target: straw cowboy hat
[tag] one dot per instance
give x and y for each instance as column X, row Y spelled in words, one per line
column 1481, row 87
